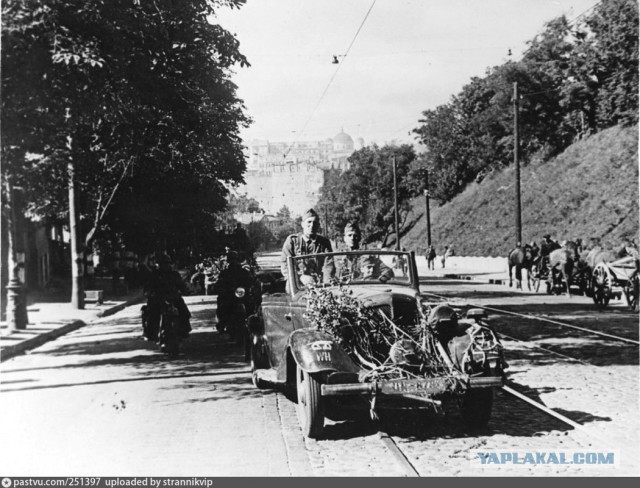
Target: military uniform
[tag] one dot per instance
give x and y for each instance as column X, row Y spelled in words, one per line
column 299, row 245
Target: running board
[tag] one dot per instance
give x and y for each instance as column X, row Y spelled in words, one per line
column 269, row 376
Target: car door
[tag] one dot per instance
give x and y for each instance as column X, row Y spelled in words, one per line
column 298, row 307
column 278, row 324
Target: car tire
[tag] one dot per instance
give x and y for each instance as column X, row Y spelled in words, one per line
column 309, row 407
column 475, row 407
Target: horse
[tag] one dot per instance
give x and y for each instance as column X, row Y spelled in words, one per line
column 561, row 262
column 521, row 258
column 599, row 255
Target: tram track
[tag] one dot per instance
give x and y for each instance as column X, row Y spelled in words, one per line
column 537, row 318
column 410, row 467
column 512, row 389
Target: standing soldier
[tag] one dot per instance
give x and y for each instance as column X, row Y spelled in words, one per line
column 307, row 242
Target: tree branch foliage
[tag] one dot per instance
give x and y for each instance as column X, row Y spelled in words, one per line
column 137, row 95
column 574, row 80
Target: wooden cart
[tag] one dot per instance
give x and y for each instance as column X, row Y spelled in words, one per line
column 614, row 279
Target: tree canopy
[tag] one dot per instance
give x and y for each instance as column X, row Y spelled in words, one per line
column 364, row 193
column 575, row 78
column 137, row 95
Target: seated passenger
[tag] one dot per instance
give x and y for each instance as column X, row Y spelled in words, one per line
column 373, row 269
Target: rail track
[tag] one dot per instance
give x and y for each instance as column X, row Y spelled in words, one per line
column 410, row 468
column 511, row 389
column 538, row 318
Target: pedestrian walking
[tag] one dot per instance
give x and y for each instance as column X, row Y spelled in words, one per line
column 445, row 255
column 431, row 257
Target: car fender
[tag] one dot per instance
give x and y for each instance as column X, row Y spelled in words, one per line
column 315, row 351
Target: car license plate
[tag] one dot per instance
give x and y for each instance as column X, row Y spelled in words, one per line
column 425, row 386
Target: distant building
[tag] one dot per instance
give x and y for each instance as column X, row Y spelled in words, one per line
column 291, row 174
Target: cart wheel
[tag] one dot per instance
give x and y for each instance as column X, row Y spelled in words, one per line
column 475, row 407
column 601, row 286
column 631, row 293
column 309, row 408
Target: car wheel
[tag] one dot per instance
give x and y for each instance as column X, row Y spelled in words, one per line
column 309, row 407
column 601, row 285
column 475, row 407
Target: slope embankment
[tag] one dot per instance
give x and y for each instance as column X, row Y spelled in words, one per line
column 588, row 191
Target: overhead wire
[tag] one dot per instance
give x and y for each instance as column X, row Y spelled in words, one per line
column 324, row 93
column 572, row 22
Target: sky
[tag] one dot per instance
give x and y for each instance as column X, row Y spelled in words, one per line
column 397, row 58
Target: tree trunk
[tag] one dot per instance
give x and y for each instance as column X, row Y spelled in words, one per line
column 77, row 288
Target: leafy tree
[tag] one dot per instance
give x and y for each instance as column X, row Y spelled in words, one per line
column 284, row 212
column 611, row 61
column 364, row 193
column 134, row 97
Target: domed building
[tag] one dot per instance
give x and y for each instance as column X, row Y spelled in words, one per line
column 342, row 142
column 291, row 174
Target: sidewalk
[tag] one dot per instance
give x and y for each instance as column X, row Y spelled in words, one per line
column 52, row 315
column 485, row 270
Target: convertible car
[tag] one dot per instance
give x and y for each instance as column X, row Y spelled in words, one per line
column 349, row 330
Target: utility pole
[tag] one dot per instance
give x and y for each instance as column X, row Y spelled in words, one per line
column 17, row 318
column 426, row 197
column 395, row 204
column 516, row 160
column 326, row 223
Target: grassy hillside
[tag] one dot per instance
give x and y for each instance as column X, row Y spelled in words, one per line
column 589, row 191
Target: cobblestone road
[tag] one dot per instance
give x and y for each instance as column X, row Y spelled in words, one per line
column 101, row 401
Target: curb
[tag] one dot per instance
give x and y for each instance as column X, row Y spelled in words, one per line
column 491, row 281
column 11, row 351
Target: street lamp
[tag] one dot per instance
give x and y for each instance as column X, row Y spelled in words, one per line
column 17, row 318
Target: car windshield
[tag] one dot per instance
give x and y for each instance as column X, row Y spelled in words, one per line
column 353, row 267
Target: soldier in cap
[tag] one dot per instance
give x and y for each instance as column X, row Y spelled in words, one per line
column 352, row 267
column 373, row 269
column 308, row 242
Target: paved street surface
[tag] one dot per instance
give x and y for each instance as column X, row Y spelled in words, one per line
column 101, row 401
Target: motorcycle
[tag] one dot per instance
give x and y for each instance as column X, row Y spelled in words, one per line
column 161, row 324
column 233, row 312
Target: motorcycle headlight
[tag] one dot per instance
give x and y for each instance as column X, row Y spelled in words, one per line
column 240, row 292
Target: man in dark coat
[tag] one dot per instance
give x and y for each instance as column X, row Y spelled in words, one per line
column 231, row 278
column 164, row 283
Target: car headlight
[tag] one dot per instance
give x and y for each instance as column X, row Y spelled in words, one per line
column 240, row 292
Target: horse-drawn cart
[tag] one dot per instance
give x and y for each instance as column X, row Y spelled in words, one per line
column 614, row 279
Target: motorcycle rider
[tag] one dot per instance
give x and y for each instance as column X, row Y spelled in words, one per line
column 231, row 278
column 164, row 283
